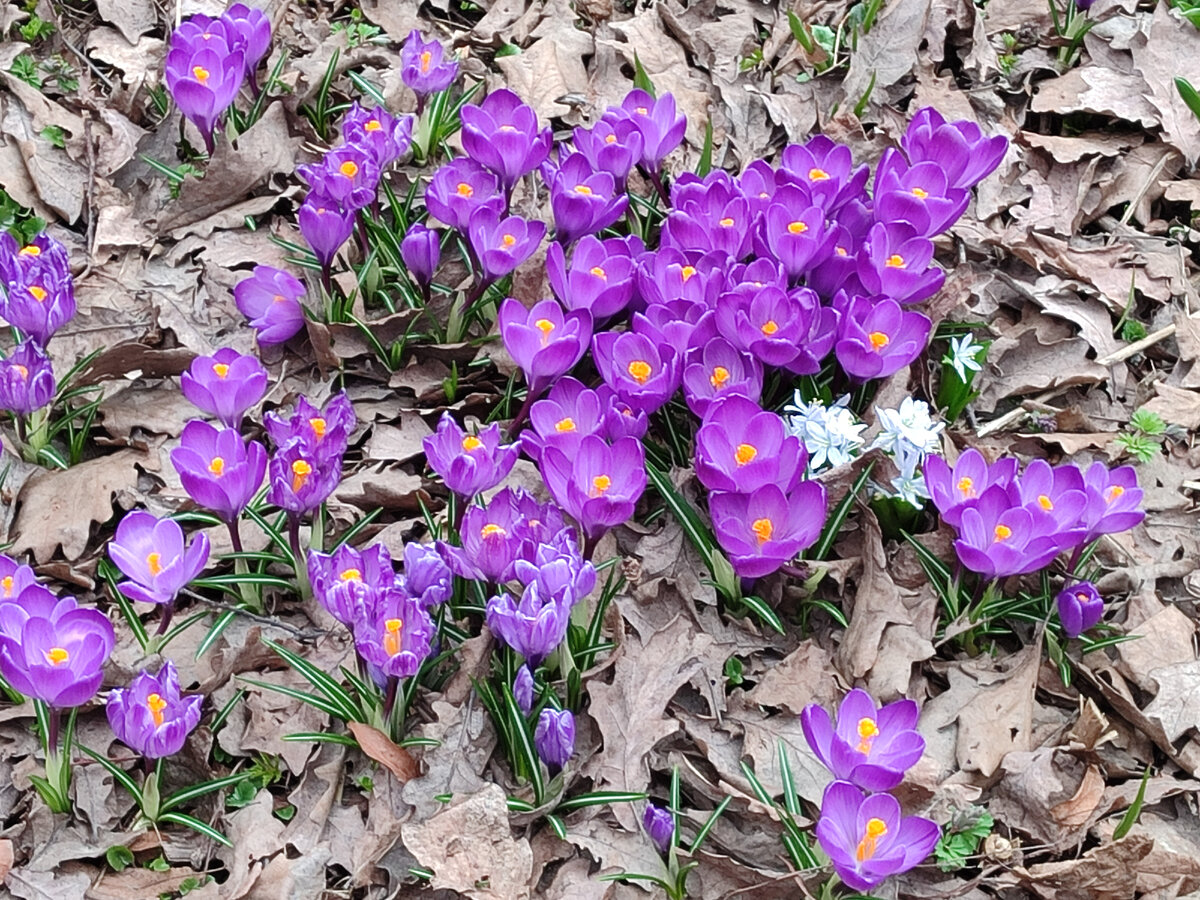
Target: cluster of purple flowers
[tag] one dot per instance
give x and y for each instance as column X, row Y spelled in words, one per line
column 38, row 299
column 1011, row 524
column 868, row 751
column 208, row 61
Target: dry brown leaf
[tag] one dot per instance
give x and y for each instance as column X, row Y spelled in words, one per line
column 551, row 67
column 800, row 679
column 1164, row 639
column 256, row 836
column 1176, row 405
column 399, row 441
column 888, row 51
column 381, row 748
column 1108, row 872
column 1098, row 90
column 136, row 882
column 132, row 17
column 6, row 857
column 1170, row 49
column 1177, row 703
column 1027, row 366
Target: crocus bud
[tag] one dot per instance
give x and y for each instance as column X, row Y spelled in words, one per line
column 659, row 825
column 423, row 66
column 421, row 249
column 26, row 379
column 1080, row 606
column 523, row 690
column 325, row 226
column 554, row 737
column 270, row 299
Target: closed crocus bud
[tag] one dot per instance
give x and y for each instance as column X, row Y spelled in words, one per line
column 958, row 149
column 501, row 245
column 461, row 187
column 877, row 338
column 426, row 575
column 249, row 30
column 659, row 825
column 423, row 66
column 469, row 463
column 1080, row 606
column 394, row 636
column 348, row 580
column 225, row 384
column 204, row 80
column 542, row 340
column 502, row 135
column 325, row 226
column 151, row 716
column 660, row 125
column 522, row 689
column 383, row 137
column 871, row 746
column 270, row 299
column 151, row 553
column 218, row 468
column 37, row 300
column 554, row 737
column 763, row 530
column 533, row 626
column 26, row 379
column 51, row 649
column 421, row 250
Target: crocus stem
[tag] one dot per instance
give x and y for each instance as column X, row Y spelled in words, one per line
column 659, row 188
column 298, row 556
column 21, row 432
column 458, row 510
column 235, row 535
column 327, row 280
column 514, row 426
column 795, row 572
column 589, row 547
column 1073, row 563
column 53, row 723
column 168, row 612
column 389, row 704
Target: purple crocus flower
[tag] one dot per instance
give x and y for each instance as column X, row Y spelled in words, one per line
column 325, row 226
column 522, row 688
column 839, row 270
column 583, row 200
column 533, row 626
column 600, row 277
column 793, row 232
column 741, row 447
column 1080, row 606
column 26, row 379
column 348, row 175
column 469, row 463
column 641, row 373
column 151, row 716
column 204, row 81
column 554, row 737
column 423, row 66
column 542, row 340
column 998, row 537
column 718, row 220
column 875, row 339
column 347, row 581
column 152, row 554
column 502, row 135
column 383, row 137
column 14, row 577
column 1056, row 489
column 826, row 170
column 491, row 540
column 600, row 485
column 458, row 189
column 501, row 245
column 300, row 478
column 894, row 261
column 661, row 126
column 676, row 323
column 917, row 194
column 558, row 568
column 670, row 274
column 421, row 250
column 958, row 149
column 788, row 330
column 956, row 489
column 871, row 746
column 51, row 649
column 763, row 530
column 249, row 30
column 426, row 575
column 717, row 371
column 1113, row 500
column 225, row 384
column 40, row 302
column 270, row 299
column 564, row 418
column 868, row 839
column 394, row 635
column 659, row 825
column 42, row 258
column 325, row 431
column 219, row 470
column 612, row 145
column 620, row 418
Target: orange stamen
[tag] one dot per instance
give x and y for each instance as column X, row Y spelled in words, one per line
column 878, row 340
column 719, row 376
column 745, row 453
column 867, row 729
column 815, row 174
column 567, row 424
column 217, row 466
column 300, row 472
column 393, row 636
column 867, row 847
column 1003, row 532
column 156, row 705
column 763, row 529
column 56, row 656
column 797, row 227
column 154, row 563
column 470, row 442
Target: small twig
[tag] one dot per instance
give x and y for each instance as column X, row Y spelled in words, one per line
column 304, row 635
column 1136, row 347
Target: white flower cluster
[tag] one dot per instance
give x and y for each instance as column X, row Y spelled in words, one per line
column 831, row 434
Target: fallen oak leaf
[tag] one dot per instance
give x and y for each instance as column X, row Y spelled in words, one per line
column 380, row 748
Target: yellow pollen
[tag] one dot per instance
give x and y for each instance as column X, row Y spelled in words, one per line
column 769, row 327
column 317, row 424
column 217, row 466
column 56, row 656
column 39, row 292
column 464, row 189
column 220, row 369
column 372, row 125
column 31, row 250
column 300, row 472
column 726, row 222
column 7, row 583
column 719, row 376
column 426, row 57
column 687, row 272
column 583, row 189
column 600, row 484
column 491, row 528
column 156, row 704
column 763, row 529
column 599, row 273
column 545, row 326
column 279, row 298
column 21, row 370
column 895, row 261
column 919, row 193
column 470, row 442
column 351, row 575
column 1113, row 493
column 878, row 340
column 349, row 168
column 841, row 251
column 745, row 453
column 876, row 828
column 642, row 111
column 154, row 563
column 966, row 486
column 567, row 424
column 508, row 240
column 610, row 139
column 867, row 729
column 1082, row 597
column 797, row 227
column 393, row 636
column 1045, row 502
column 201, row 74
column 640, row 370
column 1003, row 532
column 508, row 127
column 815, row 174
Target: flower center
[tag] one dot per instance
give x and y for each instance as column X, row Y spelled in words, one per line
column 351, row 575
column 349, row 168
column 1002, row 532
column 156, row 704
column 966, row 486
column 39, row 292
column 7, row 584
column 745, row 453
column 154, row 563
column 815, row 174
column 300, row 472
column 878, row 340
column 719, row 376
column 920, row 193
column 687, row 272
column 895, row 261
column 1045, row 502
column 797, row 227
column 507, row 127
column 426, row 57
column 31, row 250
column 640, row 370
column 393, row 636
column 545, row 326
column 464, row 189
column 492, row 529
column 279, row 298
column 566, row 424
column 217, row 466
column 876, row 828
column 56, row 656
column 1113, row 493
column 726, row 222
column 21, row 371
column 201, row 74
column 841, row 251
column 641, row 110
column 583, row 189
column 599, row 273
column 769, row 327
column 220, row 369
column 372, row 125
column 600, row 484
column 867, row 729
column 1082, row 597
column 318, row 425
column 508, row 240
column 763, row 529
column 610, row 139
column 470, row 442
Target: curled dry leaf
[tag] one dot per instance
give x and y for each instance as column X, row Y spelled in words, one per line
column 381, row 748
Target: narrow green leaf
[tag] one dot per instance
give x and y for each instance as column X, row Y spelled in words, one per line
column 194, row 791
column 196, row 825
column 834, row 526
column 321, row 737
column 861, row 105
column 560, row 830
column 320, row 680
column 702, row 834
column 599, row 798
column 214, row 633
column 1135, row 809
column 640, row 78
column 1189, row 94
column 764, row 612
column 326, row 706
column 800, row 32
column 119, row 775
column 706, row 152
